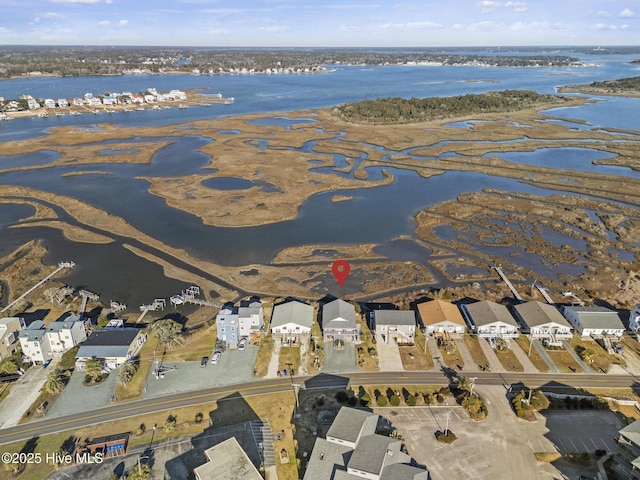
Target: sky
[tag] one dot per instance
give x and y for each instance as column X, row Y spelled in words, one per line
column 320, row 23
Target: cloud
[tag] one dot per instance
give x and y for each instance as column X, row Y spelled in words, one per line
column 411, row 26
column 626, row 13
column 625, row 27
column 536, row 26
column 122, row 23
column 603, row 27
column 517, row 6
column 485, row 27
column 51, row 15
column 458, row 27
column 104, row 23
column 488, row 6
column 602, row 14
column 275, row 28
column 350, row 28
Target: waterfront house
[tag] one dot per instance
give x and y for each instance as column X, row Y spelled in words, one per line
column 291, row 322
column 594, row 322
column 441, row 318
column 626, row 458
column 634, row 320
column 228, row 326
column 398, row 325
column 115, row 345
column 63, row 335
column 32, row 104
column 10, row 328
column 49, row 103
column 490, row 320
column 62, row 102
column 339, row 322
column 543, row 321
column 149, row 98
column 78, row 102
column 352, row 449
column 227, row 461
column 34, row 347
column 250, row 318
column 178, row 95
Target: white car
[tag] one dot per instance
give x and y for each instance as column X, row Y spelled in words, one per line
column 215, row 358
column 242, row 344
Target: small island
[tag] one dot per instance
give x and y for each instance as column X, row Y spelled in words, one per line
column 623, row 87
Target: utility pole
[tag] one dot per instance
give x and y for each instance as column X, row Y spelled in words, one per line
column 473, row 384
column 446, row 428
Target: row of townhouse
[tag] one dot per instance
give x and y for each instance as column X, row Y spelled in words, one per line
column 113, row 343
column 292, row 321
column 151, row 95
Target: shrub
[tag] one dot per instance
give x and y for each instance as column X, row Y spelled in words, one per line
column 395, row 400
column 365, row 400
column 342, row 396
column 381, row 401
column 199, row 417
column 411, row 400
column 440, row 398
column 449, row 437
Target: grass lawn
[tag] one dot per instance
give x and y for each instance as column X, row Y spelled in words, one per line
column 601, row 360
column 192, row 348
column 367, row 353
column 414, row 358
column 473, row 345
column 535, row 357
column 135, row 387
column 277, row 408
column 265, row 352
column 451, row 360
column 564, row 361
column 5, row 388
column 509, row 360
column 316, row 336
column 289, row 358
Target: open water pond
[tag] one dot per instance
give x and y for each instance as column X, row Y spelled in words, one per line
column 234, row 183
column 12, row 212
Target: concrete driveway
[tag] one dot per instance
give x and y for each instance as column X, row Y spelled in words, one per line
column 339, row 361
column 388, row 355
column 77, row 397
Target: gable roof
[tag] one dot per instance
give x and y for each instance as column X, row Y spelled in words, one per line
column 350, row 422
column 486, row 312
column 395, row 317
column 597, row 317
column 438, row 311
column 292, row 312
column 537, row 313
column 108, row 343
column 339, row 311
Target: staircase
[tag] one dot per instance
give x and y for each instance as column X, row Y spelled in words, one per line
column 263, row 437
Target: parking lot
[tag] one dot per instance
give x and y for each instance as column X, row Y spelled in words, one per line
column 513, row 441
column 233, row 367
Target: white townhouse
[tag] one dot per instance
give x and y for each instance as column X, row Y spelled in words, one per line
column 63, row 335
column 32, row 342
column 49, row 103
column 292, row 321
column 339, row 322
column 594, row 321
column 490, row 320
column 399, row 325
column 250, row 318
column 634, row 320
column 543, row 321
column 62, row 102
column 9, row 330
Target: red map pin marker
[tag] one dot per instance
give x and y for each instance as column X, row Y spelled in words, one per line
column 341, row 269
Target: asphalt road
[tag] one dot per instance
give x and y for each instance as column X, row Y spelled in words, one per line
column 139, row 407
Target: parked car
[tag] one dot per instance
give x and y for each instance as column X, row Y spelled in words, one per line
column 618, row 348
column 215, row 358
column 204, row 361
column 242, row 344
column 46, row 364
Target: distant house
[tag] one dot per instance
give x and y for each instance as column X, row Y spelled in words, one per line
column 178, row 95
column 543, row 321
column 490, row 320
column 250, row 318
column 594, row 321
column 626, row 459
column 32, row 342
column 634, row 320
column 63, row 335
column 32, row 104
column 10, row 328
column 399, row 325
column 49, row 103
column 227, row 461
column 149, row 98
column 292, row 321
column 78, row 102
column 228, row 326
column 110, row 99
column 339, row 322
column 440, row 318
column 62, row 102
column 353, row 449
column 114, row 345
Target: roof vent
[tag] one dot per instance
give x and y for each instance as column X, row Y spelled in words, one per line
column 389, row 452
column 322, row 456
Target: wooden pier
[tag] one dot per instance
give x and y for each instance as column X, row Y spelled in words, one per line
column 509, row 284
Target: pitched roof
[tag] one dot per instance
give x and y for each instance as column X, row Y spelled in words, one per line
column 339, row 311
column 537, row 313
column 597, row 317
column 349, row 423
column 108, row 343
column 632, row 432
column 292, row 312
column 437, row 311
column 326, row 460
column 395, row 317
column 486, row 312
column 369, row 454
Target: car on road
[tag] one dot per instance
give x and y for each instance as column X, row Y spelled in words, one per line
column 204, row 361
column 215, row 358
column 242, row 344
column 46, row 364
